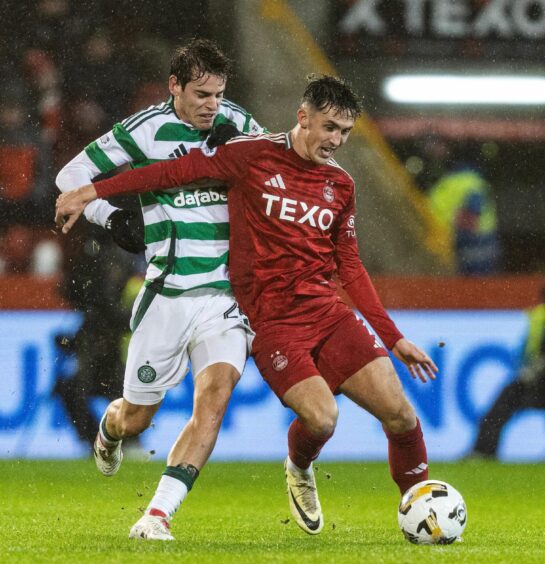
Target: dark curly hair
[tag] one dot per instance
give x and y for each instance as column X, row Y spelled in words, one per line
column 196, row 58
column 325, row 92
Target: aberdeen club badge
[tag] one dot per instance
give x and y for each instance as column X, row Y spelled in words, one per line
column 329, row 193
column 279, row 361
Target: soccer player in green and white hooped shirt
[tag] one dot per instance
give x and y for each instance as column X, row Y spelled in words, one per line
column 185, row 310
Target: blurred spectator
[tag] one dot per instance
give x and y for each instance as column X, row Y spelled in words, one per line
column 29, row 124
column 43, row 79
column 16, row 243
column 95, row 277
column 46, row 256
column 147, row 94
column 461, row 201
column 69, row 68
column 58, row 25
column 26, row 195
column 525, row 392
column 101, row 73
column 84, row 120
column 176, row 19
column 26, row 249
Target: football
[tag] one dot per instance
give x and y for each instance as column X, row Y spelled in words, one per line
column 432, row 512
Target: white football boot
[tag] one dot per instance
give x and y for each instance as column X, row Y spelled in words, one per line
column 151, row 527
column 108, row 460
column 304, row 502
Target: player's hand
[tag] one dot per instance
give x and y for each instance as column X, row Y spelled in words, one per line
column 127, row 230
column 221, row 134
column 420, row 365
column 70, row 206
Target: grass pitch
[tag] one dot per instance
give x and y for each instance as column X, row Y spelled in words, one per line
column 238, row 512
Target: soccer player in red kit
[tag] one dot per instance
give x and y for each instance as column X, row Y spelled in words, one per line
column 291, row 209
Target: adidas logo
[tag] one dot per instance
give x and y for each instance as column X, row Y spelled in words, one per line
column 276, row 182
column 178, row 152
column 422, row 467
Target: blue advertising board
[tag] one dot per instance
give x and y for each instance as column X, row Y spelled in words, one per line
column 480, row 355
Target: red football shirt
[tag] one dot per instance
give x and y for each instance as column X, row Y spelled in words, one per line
column 292, row 228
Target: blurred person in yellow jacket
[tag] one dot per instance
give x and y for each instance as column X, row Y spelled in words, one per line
column 526, row 391
column 461, row 201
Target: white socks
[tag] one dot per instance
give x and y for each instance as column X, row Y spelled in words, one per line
column 168, row 496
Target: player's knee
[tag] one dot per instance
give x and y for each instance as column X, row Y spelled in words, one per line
column 401, row 420
column 216, row 385
column 322, row 421
column 221, row 374
column 114, row 408
column 211, row 399
column 214, row 393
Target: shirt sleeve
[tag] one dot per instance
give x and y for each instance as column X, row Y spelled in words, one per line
column 78, row 172
column 101, row 156
column 226, row 163
column 356, row 280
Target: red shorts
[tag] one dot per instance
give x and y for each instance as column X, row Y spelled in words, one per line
column 335, row 347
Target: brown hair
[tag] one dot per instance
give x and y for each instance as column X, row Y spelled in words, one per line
column 325, row 92
column 196, row 58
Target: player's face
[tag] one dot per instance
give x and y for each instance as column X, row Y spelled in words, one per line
column 199, row 101
column 324, row 132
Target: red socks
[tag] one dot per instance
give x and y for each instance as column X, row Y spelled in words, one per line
column 407, row 457
column 406, row 453
column 303, row 446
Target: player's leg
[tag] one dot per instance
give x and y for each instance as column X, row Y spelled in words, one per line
column 354, row 363
column 316, row 410
column 190, row 452
column 285, row 361
column 376, row 388
column 213, row 388
column 124, row 419
column 121, row 420
column 155, row 362
column 511, row 399
column 218, row 352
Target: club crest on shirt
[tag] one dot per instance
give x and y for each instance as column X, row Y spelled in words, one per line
column 279, row 361
column 328, row 192
column 146, row 374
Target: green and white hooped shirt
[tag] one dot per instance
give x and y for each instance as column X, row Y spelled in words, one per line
column 186, row 232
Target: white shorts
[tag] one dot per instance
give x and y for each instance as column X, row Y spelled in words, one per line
column 205, row 326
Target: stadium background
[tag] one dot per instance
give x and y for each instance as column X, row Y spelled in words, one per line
column 74, row 69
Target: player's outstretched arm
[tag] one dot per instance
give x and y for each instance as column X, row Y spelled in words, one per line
column 227, row 164
column 420, row 365
column 125, row 226
column 70, row 206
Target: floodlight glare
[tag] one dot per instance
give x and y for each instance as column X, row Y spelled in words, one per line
column 452, row 89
